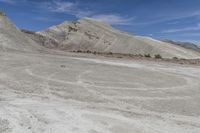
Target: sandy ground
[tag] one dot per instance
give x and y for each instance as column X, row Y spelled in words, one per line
column 65, row 94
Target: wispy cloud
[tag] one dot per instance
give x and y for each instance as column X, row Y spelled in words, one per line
column 193, row 28
column 58, row 6
column 14, row 2
column 113, row 19
column 66, row 7
column 173, row 22
column 168, row 18
column 76, row 10
column 189, row 34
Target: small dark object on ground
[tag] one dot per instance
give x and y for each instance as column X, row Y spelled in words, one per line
column 63, row 66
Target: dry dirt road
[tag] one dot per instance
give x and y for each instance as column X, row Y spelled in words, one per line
column 66, row 94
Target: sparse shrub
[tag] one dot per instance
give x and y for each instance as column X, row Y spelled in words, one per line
column 139, row 55
column 147, row 55
column 27, row 31
column 79, row 51
column 130, row 55
column 110, row 53
column 88, row 51
column 175, row 58
column 95, row 52
column 158, row 56
column 99, row 53
column 119, row 57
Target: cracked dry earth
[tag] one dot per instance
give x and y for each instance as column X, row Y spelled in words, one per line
column 65, row 94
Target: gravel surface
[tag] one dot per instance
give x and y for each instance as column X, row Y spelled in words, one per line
column 66, row 94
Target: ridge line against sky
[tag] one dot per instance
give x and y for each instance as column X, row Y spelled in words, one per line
column 176, row 20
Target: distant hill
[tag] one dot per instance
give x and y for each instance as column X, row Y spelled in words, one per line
column 89, row 34
column 187, row 45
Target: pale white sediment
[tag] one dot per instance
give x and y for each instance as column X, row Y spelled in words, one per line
column 64, row 94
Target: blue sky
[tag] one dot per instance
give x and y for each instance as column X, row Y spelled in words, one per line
column 161, row 19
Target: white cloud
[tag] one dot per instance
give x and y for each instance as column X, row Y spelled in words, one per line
column 113, row 19
column 167, row 17
column 194, row 28
column 13, row 2
column 66, row 7
column 189, row 34
column 59, row 6
column 173, row 23
column 75, row 9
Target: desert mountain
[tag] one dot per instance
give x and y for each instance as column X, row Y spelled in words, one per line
column 89, row 34
column 12, row 39
column 187, row 45
column 40, row 39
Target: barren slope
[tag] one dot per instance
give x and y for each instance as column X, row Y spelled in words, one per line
column 12, row 38
column 89, row 34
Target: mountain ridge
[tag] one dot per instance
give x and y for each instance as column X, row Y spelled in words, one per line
column 89, row 34
column 86, row 34
column 187, row 45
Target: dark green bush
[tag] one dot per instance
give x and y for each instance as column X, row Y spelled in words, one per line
column 175, row 58
column 140, row 55
column 79, row 51
column 110, row 53
column 147, row 55
column 88, row 51
column 158, row 56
